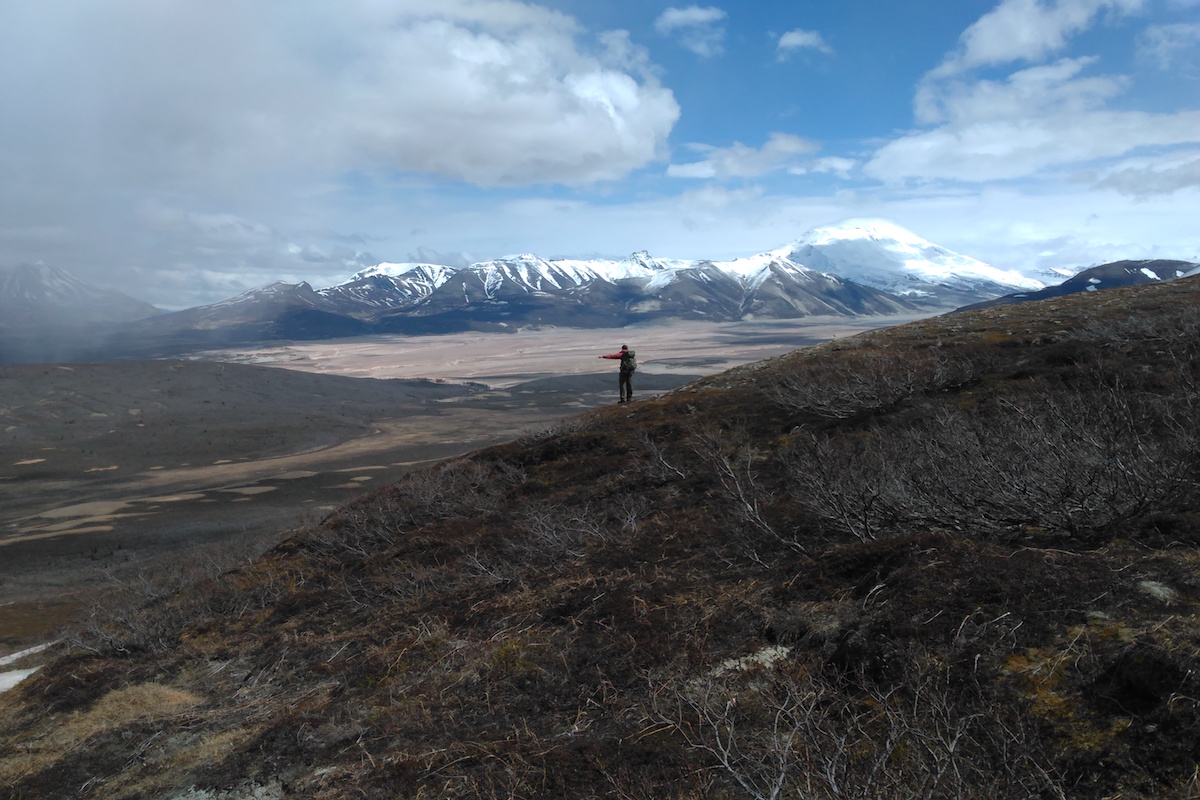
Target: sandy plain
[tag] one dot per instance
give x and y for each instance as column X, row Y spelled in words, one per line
column 504, row 360
column 112, row 472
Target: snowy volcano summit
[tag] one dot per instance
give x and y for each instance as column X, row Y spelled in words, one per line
column 885, row 256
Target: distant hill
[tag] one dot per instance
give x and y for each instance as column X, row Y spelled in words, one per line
column 954, row 558
column 1104, row 276
column 858, row 268
column 39, row 295
column 47, row 314
column 861, row 268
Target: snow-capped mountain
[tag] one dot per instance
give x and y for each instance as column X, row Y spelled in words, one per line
column 398, row 286
column 527, row 289
column 859, row 267
column 637, row 265
column 844, row 259
column 781, row 288
column 885, row 256
column 387, row 286
column 36, row 294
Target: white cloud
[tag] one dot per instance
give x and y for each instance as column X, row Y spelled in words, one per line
column 780, row 151
column 699, row 29
column 1011, row 149
column 213, row 231
column 800, row 39
column 1067, row 225
column 1172, row 47
column 1147, row 177
column 1036, row 121
column 1057, row 88
column 836, row 165
column 1027, row 30
column 491, row 92
column 281, row 123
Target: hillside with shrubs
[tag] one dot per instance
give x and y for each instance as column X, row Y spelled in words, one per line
column 958, row 558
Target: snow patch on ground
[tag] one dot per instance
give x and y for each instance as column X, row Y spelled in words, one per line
column 11, row 678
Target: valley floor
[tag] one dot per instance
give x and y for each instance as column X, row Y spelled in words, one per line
column 503, row 360
column 110, row 473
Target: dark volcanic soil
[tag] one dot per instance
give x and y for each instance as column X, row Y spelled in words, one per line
column 119, row 472
column 112, row 471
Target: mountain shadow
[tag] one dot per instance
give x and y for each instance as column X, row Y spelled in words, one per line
column 955, row 558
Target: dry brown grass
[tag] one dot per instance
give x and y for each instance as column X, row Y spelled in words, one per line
column 116, row 710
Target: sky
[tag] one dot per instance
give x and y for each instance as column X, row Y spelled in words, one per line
column 184, row 151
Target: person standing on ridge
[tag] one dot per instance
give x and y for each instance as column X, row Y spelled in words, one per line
column 628, row 365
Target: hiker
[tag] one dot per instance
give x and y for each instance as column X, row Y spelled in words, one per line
column 628, row 365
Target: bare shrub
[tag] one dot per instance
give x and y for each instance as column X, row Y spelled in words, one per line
column 1177, row 335
column 844, row 481
column 456, row 489
column 577, row 423
column 489, row 568
column 1181, row 328
column 1077, row 461
column 865, row 381
column 659, row 466
column 557, row 531
column 146, row 609
column 629, row 509
column 732, row 461
column 781, row 731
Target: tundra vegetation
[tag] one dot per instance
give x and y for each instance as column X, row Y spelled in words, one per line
column 958, row 558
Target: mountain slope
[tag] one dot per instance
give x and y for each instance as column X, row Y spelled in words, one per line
column 47, row 314
column 953, row 558
column 1104, row 276
column 385, row 287
column 40, row 295
column 274, row 312
column 783, row 289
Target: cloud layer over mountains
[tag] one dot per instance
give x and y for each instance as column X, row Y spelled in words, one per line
column 185, row 152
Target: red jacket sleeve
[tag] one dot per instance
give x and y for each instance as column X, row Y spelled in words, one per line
column 612, row 355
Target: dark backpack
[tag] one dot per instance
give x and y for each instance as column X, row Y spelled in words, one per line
column 628, row 361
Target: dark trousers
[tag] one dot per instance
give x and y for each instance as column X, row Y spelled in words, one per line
column 626, row 385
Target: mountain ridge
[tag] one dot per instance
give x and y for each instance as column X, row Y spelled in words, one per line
column 859, row 267
column 523, row 290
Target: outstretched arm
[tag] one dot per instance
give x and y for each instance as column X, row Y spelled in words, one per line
column 612, row 355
